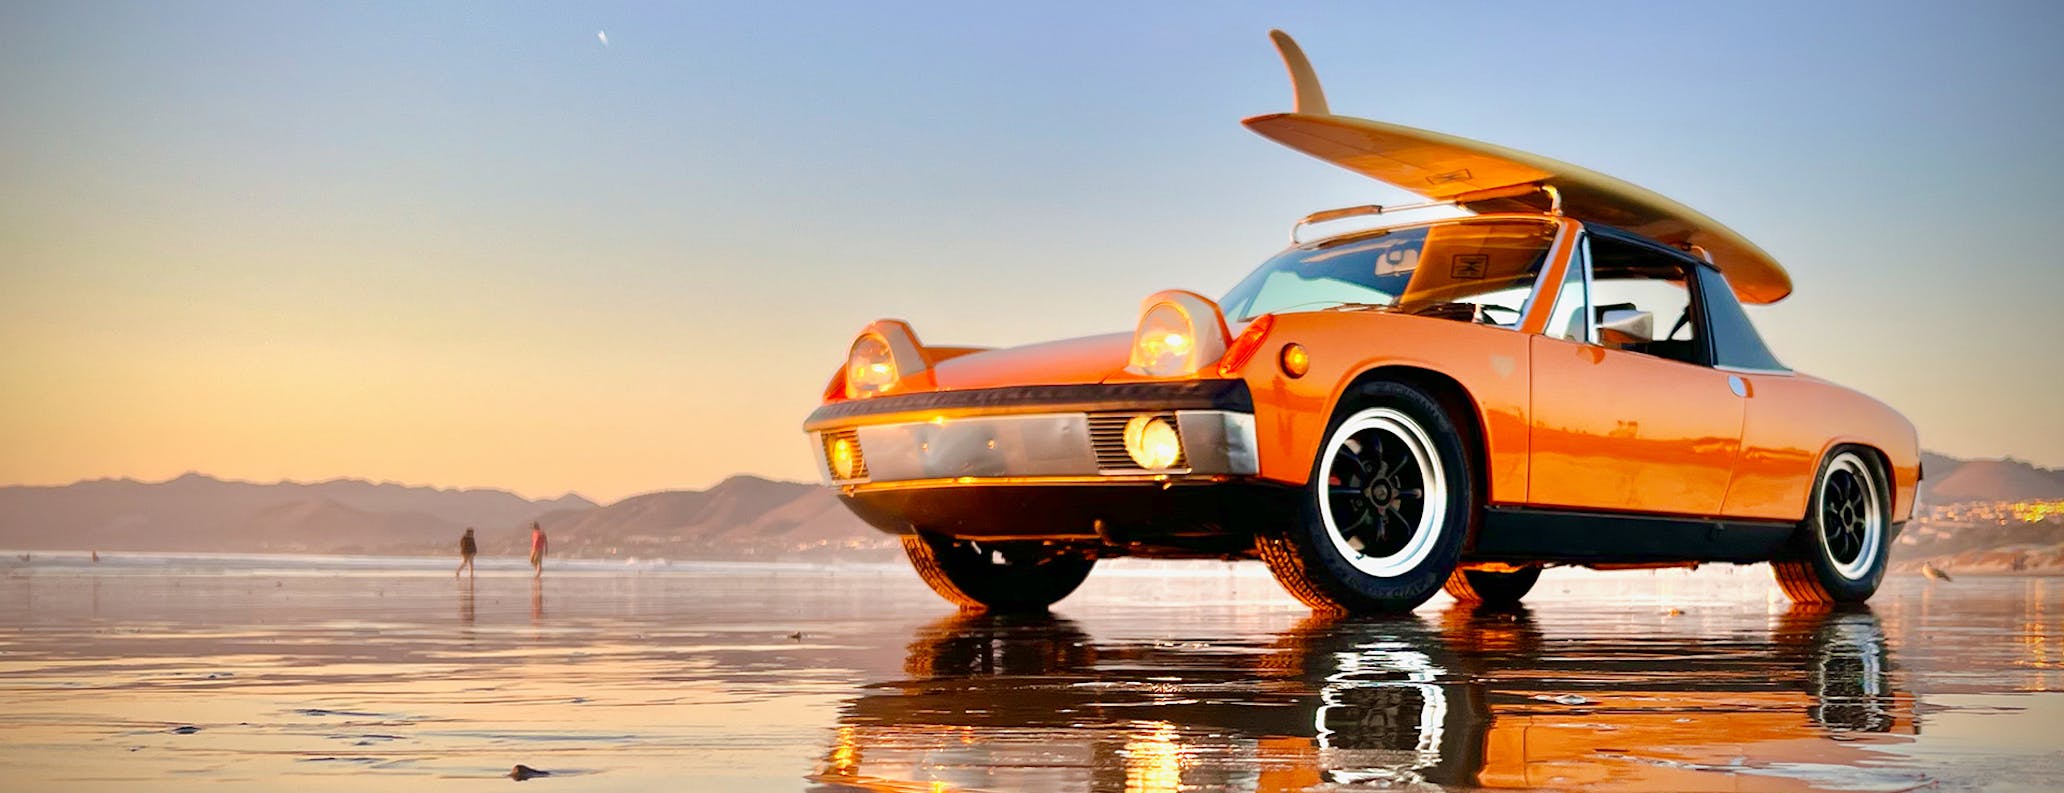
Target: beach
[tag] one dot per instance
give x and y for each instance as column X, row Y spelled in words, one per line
column 147, row 672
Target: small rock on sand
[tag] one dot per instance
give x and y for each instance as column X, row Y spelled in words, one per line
column 1934, row 573
column 522, row 772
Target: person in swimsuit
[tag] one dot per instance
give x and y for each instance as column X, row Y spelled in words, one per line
column 537, row 550
column 467, row 548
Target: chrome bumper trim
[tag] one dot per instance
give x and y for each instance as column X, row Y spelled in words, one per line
column 1216, row 443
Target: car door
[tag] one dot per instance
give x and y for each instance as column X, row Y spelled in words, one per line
column 1631, row 427
column 1787, row 421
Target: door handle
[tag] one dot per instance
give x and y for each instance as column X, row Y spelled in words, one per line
column 1739, row 386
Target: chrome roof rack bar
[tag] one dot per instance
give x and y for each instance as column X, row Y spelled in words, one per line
column 1370, row 210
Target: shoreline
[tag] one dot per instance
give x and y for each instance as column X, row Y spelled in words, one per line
column 228, row 562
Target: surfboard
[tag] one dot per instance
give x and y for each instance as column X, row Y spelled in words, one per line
column 1445, row 167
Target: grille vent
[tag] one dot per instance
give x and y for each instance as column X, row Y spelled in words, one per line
column 1107, row 437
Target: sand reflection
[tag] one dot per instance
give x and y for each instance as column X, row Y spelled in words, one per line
column 1467, row 698
column 315, row 674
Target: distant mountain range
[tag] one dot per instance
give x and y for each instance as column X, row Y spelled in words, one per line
column 743, row 517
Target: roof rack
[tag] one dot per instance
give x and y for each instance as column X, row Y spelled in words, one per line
column 1369, row 210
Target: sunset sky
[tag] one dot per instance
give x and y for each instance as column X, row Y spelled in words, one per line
column 474, row 245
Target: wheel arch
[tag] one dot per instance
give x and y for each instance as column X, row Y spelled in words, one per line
column 1480, row 374
column 1870, row 450
column 1899, row 500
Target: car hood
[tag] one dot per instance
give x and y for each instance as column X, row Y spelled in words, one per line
column 1088, row 359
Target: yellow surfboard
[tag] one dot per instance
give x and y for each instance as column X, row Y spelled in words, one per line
column 1445, row 166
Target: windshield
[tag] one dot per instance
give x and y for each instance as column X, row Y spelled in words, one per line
column 1479, row 270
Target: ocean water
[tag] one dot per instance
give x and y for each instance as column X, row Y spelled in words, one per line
column 156, row 672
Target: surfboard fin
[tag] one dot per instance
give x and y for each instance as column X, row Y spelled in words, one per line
column 1309, row 98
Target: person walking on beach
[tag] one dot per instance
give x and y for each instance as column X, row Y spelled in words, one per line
column 537, row 549
column 467, row 548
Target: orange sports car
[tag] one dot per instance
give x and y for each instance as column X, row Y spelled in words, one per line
column 1564, row 376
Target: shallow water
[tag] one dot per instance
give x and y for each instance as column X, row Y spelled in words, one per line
column 309, row 673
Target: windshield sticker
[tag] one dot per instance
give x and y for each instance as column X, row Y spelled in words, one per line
column 1397, row 260
column 1469, row 266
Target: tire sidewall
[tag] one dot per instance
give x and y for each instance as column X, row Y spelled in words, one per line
column 1350, row 586
column 1844, row 589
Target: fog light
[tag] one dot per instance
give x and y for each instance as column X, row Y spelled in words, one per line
column 1152, row 442
column 1295, row 360
column 843, row 458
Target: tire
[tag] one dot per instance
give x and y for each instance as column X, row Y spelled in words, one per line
column 1838, row 555
column 1390, row 501
column 1492, row 589
column 1015, row 576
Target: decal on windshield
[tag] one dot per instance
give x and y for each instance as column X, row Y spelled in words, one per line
column 1469, row 266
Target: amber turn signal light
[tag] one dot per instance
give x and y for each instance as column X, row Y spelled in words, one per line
column 1244, row 347
column 1295, row 360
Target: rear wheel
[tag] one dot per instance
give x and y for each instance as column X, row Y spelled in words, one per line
column 1839, row 553
column 1390, row 500
column 1492, row 588
column 1006, row 576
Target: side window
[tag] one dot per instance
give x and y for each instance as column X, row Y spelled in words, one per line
column 1566, row 317
column 1735, row 341
column 1641, row 302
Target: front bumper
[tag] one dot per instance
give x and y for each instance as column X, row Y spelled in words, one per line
column 1047, row 462
column 1053, row 434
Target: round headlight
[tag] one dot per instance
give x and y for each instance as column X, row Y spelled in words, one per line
column 1164, row 345
column 869, row 368
column 1152, row 443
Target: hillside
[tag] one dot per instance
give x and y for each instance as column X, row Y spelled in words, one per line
column 1989, row 480
column 1986, row 516
column 201, row 513
column 741, row 517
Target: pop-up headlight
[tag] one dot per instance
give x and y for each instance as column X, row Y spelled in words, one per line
column 1179, row 333
column 869, row 368
column 885, row 354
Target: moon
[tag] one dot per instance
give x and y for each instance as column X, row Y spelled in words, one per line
column 602, row 36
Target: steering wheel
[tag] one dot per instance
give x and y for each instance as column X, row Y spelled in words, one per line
column 1682, row 320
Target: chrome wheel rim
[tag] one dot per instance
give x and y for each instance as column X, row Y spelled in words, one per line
column 1852, row 524
column 1382, row 494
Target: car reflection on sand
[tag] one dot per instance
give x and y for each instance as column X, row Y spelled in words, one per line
column 1471, row 699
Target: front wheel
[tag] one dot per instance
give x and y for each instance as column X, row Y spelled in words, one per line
column 1389, row 504
column 1007, row 576
column 1839, row 553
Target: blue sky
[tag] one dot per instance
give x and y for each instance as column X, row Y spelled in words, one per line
column 469, row 244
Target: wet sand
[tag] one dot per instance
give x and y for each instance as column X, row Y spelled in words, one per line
column 370, row 675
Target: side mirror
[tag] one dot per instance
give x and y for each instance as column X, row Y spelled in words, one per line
column 1619, row 327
